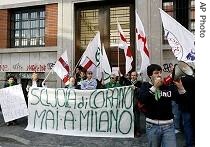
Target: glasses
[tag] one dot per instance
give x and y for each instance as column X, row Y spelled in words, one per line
column 90, row 73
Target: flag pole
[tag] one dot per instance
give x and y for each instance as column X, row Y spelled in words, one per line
column 118, row 50
column 46, row 77
column 118, row 56
column 77, row 64
column 101, row 56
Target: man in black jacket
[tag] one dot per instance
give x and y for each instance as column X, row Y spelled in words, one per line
column 157, row 98
column 134, row 81
column 33, row 82
column 187, row 107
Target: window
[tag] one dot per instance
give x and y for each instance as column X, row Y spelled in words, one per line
column 168, row 7
column 122, row 14
column 89, row 26
column 192, row 16
column 27, row 27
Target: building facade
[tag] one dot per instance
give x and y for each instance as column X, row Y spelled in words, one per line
column 34, row 33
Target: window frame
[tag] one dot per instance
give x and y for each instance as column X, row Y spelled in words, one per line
column 192, row 16
column 164, row 39
column 38, row 28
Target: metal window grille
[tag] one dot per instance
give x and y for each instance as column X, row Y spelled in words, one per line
column 122, row 14
column 28, row 27
column 89, row 26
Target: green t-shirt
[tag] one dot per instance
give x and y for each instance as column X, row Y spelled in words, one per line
column 112, row 85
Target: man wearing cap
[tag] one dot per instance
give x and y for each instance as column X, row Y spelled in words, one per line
column 90, row 83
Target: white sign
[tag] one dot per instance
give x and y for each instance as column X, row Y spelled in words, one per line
column 13, row 103
column 92, row 113
column 115, row 70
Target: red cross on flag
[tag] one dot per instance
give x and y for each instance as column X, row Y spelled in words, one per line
column 62, row 68
column 124, row 45
column 141, row 45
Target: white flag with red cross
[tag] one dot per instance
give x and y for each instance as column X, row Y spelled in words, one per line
column 124, row 45
column 91, row 58
column 62, row 68
column 141, row 45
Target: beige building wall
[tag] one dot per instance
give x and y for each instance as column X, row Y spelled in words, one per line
column 149, row 14
column 147, row 10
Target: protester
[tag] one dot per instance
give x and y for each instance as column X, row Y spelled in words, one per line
column 81, row 78
column 176, row 111
column 157, row 98
column 33, row 82
column 90, row 82
column 113, row 82
column 72, row 83
column 177, row 117
column 137, row 84
column 124, row 80
column 187, row 108
column 77, row 73
column 100, row 84
column 10, row 82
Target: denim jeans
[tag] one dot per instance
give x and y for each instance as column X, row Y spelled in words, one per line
column 188, row 129
column 161, row 135
column 177, row 115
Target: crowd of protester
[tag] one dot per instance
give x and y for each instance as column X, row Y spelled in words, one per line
column 159, row 109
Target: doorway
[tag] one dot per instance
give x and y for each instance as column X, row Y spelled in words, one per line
column 102, row 16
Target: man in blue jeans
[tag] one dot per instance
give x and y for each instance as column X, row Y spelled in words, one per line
column 187, row 107
column 157, row 98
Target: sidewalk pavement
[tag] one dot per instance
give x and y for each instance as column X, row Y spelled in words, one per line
column 16, row 136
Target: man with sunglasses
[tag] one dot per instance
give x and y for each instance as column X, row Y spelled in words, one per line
column 113, row 82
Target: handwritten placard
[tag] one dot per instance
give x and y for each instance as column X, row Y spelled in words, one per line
column 13, row 103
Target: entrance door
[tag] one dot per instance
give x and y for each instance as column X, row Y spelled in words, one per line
column 102, row 16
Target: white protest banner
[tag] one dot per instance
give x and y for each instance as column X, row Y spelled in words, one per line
column 13, row 103
column 92, row 113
